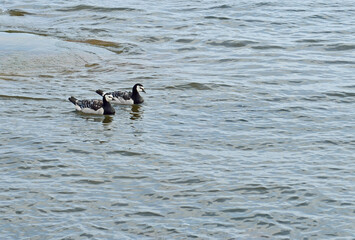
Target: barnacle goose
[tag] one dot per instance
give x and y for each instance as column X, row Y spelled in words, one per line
column 94, row 106
column 125, row 97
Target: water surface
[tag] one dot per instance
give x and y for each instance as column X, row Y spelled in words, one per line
column 246, row 132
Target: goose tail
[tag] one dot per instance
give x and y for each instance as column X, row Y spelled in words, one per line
column 73, row 100
column 100, row 92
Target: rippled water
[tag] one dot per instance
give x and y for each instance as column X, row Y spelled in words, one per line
column 247, row 130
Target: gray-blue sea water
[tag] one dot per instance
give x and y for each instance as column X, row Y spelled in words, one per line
column 247, row 130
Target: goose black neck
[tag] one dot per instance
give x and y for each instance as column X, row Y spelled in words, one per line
column 108, row 109
column 134, row 91
column 136, row 96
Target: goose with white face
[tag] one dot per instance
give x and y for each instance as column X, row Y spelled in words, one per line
column 140, row 88
column 126, row 97
column 108, row 97
column 94, row 106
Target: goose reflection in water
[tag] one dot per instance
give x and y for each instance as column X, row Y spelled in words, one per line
column 104, row 119
column 107, row 119
column 136, row 112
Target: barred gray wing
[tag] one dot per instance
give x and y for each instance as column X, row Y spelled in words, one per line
column 120, row 94
column 93, row 104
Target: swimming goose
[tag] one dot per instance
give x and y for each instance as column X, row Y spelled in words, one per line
column 94, row 106
column 129, row 98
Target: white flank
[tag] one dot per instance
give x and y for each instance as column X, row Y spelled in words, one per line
column 122, row 101
column 77, row 107
column 99, row 111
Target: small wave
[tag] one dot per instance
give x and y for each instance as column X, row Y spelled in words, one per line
column 339, row 62
column 223, row 225
column 120, row 222
column 23, row 98
column 259, row 216
column 69, row 210
column 254, row 21
column 282, row 233
column 235, row 210
column 296, row 10
column 187, row 49
column 146, row 214
column 152, row 39
column 283, row 110
column 224, row 6
column 252, row 189
column 193, row 85
column 83, row 7
column 96, row 42
column 265, row 4
column 230, row 43
column 198, row 86
column 229, row 60
column 223, row 199
column 125, row 153
column 314, row 98
column 218, row 18
column 310, row 40
column 119, row 204
column 70, row 150
column 317, row 16
column 129, row 177
column 16, row 12
column 184, row 40
column 187, row 181
column 108, row 45
column 27, row 32
column 91, row 182
column 190, row 208
column 266, row 47
column 340, row 47
column 66, row 193
column 340, row 94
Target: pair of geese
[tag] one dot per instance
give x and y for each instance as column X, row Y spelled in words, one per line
column 104, row 107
